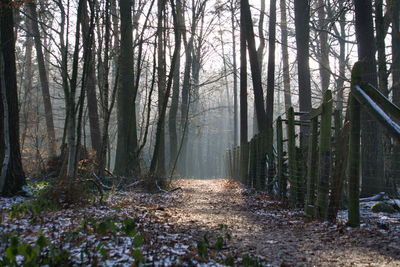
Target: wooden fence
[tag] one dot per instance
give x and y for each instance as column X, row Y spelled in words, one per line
column 312, row 173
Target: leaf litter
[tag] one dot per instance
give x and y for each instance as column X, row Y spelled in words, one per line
column 208, row 223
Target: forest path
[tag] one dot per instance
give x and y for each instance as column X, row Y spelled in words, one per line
column 267, row 230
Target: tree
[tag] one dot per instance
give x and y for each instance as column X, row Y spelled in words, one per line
column 302, row 19
column 161, row 73
column 395, row 18
column 235, row 76
column 43, row 80
column 324, row 69
column 12, row 175
column 95, row 135
column 370, row 133
column 126, row 161
column 255, row 68
column 243, row 95
column 172, row 122
column 285, row 55
column 270, row 91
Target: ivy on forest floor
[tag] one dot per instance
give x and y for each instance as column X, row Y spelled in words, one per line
column 221, row 242
column 19, row 253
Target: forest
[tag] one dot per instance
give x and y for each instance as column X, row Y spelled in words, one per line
column 200, row 133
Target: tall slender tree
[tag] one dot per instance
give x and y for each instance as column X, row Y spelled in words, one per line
column 235, row 75
column 371, row 134
column 43, row 80
column 243, row 94
column 324, row 69
column 95, row 135
column 254, row 65
column 126, row 161
column 12, row 176
column 172, row 121
column 302, row 20
column 285, row 55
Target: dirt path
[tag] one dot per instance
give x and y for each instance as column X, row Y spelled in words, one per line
column 266, row 230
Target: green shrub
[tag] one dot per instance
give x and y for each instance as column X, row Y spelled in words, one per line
column 382, row 207
column 41, row 253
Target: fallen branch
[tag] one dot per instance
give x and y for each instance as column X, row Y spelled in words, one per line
column 377, row 197
column 134, row 183
column 105, row 187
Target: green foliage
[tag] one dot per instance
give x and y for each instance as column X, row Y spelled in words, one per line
column 202, row 249
column 33, row 208
column 128, row 227
column 38, row 187
column 42, row 253
column 229, row 261
column 137, row 241
column 249, row 261
column 206, row 239
column 382, row 207
column 220, row 243
column 102, row 249
column 137, row 255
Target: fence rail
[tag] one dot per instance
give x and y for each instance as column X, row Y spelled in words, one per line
column 312, row 172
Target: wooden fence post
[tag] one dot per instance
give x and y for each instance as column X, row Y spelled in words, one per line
column 312, row 167
column 354, row 150
column 279, row 148
column 252, row 168
column 257, row 145
column 237, row 178
column 271, row 160
column 293, row 176
column 230, row 160
column 325, row 156
column 244, row 163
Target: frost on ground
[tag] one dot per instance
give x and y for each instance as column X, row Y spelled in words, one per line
column 208, row 223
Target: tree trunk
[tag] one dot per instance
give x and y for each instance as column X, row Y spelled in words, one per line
column 235, row 76
column 12, row 175
column 255, row 68
column 243, row 94
column 285, row 56
column 271, row 64
column 28, row 77
column 95, row 134
column 44, row 82
column 126, row 161
column 324, row 69
column 270, row 93
column 161, row 82
column 371, row 133
column 173, row 137
column 302, row 19
column 395, row 7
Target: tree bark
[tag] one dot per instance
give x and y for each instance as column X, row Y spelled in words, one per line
column 161, row 83
column 235, row 77
column 12, row 176
column 172, row 122
column 95, row 134
column 395, row 17
column 302, row 19
column 255, row 68
column 271, row 64
column 28, row 76
column 324, row 68
column 371, row 133
column 285, row 56
column 243, row 94
column 126, row 161
column 44, row 82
